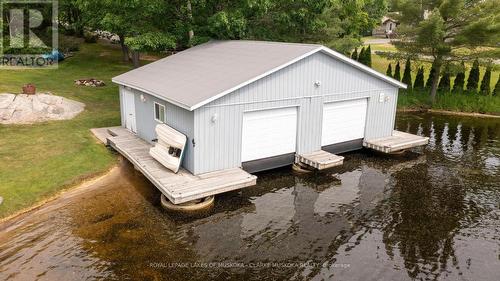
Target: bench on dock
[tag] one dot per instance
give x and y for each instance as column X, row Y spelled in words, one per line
column 183, row 186
column 397, row 142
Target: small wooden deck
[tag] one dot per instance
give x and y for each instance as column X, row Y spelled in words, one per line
column 397, row 142
column 183, row 186
column 320, row 159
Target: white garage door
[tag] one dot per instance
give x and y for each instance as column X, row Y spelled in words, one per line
column 268, row 133
column 343, row 121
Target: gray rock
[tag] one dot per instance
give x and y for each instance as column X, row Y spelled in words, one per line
column 26, row 109
column 6, row 100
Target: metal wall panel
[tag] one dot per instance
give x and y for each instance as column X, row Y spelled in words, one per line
column 217, row 125
column 176, row 117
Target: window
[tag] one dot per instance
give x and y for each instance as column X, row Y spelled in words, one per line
column 160, row 112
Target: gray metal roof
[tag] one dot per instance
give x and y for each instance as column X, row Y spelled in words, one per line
column 201, row 74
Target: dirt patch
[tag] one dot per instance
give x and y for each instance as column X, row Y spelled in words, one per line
column 28, row 109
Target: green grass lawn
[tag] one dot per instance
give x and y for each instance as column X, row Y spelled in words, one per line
column 39, row 160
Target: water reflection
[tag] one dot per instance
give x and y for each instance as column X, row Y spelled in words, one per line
column 430, row 214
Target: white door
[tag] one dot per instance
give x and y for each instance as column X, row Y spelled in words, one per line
column 129, row 107
column 343, row 121
column 268, row 133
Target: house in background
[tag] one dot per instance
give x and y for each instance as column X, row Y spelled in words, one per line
column 387, row 28
column 256, row 104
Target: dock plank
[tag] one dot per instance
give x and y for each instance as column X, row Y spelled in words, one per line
column 397, row 142
column 320, row 159
column 178, row 187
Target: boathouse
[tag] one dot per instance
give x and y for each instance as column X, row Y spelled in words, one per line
column 258, row 105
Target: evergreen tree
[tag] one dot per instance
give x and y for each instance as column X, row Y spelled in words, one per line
column 419, row 79
column 407, row 75
column 430, row 79
column 388, row 72
column 397, row 72
column 354, row 54
column 496, row 91
column 368, row 56
column 444, row 83
column 473, row 80
column 485, row 83
column 361, row 55
column 458, row 85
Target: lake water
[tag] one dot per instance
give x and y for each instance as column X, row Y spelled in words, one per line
column 432, row 213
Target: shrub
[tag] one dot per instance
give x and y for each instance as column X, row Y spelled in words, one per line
column 458, row 85
column 419, row 79
column 407, row 75
column 90, row 37
column 368, row 56
column 397, row 72
column 485, row 83
column 497, row 87
column 354, row 54
column 361, row 55
column 444, row 83
column 388, row 72
column 430, row 79
column 69, row 44
column 473, row 80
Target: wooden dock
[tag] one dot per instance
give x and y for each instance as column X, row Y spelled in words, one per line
column 183, row 186
column 320, row 159
column 397, row 142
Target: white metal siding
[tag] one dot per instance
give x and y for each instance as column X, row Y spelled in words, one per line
column 268, row 133
column 218, row 145
column 343, row 121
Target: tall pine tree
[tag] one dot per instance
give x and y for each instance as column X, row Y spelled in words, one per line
column 407, row 75
column 458, row 84
column 388, row 72
column 419, row 80
column 473, row 80
column 485, row 83
column 397, row 72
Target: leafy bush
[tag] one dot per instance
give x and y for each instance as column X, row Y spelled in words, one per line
column 69, row 44
column 90, row 37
